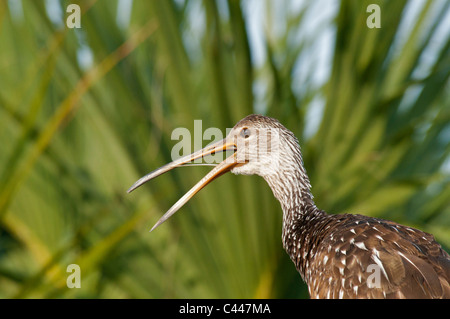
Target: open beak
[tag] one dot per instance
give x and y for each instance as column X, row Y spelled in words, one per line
column 217, row 171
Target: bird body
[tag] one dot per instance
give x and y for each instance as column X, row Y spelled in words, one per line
column 355, row 256
column 338, row 256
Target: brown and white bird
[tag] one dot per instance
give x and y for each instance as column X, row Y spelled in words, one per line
column 338, row 256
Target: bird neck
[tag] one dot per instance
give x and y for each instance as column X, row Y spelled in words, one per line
column 301, row 217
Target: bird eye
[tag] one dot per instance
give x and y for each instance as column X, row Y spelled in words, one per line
column 245, row 133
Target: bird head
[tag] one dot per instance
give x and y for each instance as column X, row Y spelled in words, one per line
column 259, row 144
column 256, row 143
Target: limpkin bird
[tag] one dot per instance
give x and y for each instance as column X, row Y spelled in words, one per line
column 338, row 256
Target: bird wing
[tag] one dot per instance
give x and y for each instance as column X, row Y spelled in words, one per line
column 374, row 258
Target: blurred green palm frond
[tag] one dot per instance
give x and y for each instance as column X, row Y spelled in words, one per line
column 86, row 112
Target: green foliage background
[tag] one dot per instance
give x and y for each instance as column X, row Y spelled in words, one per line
column 75, row 137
